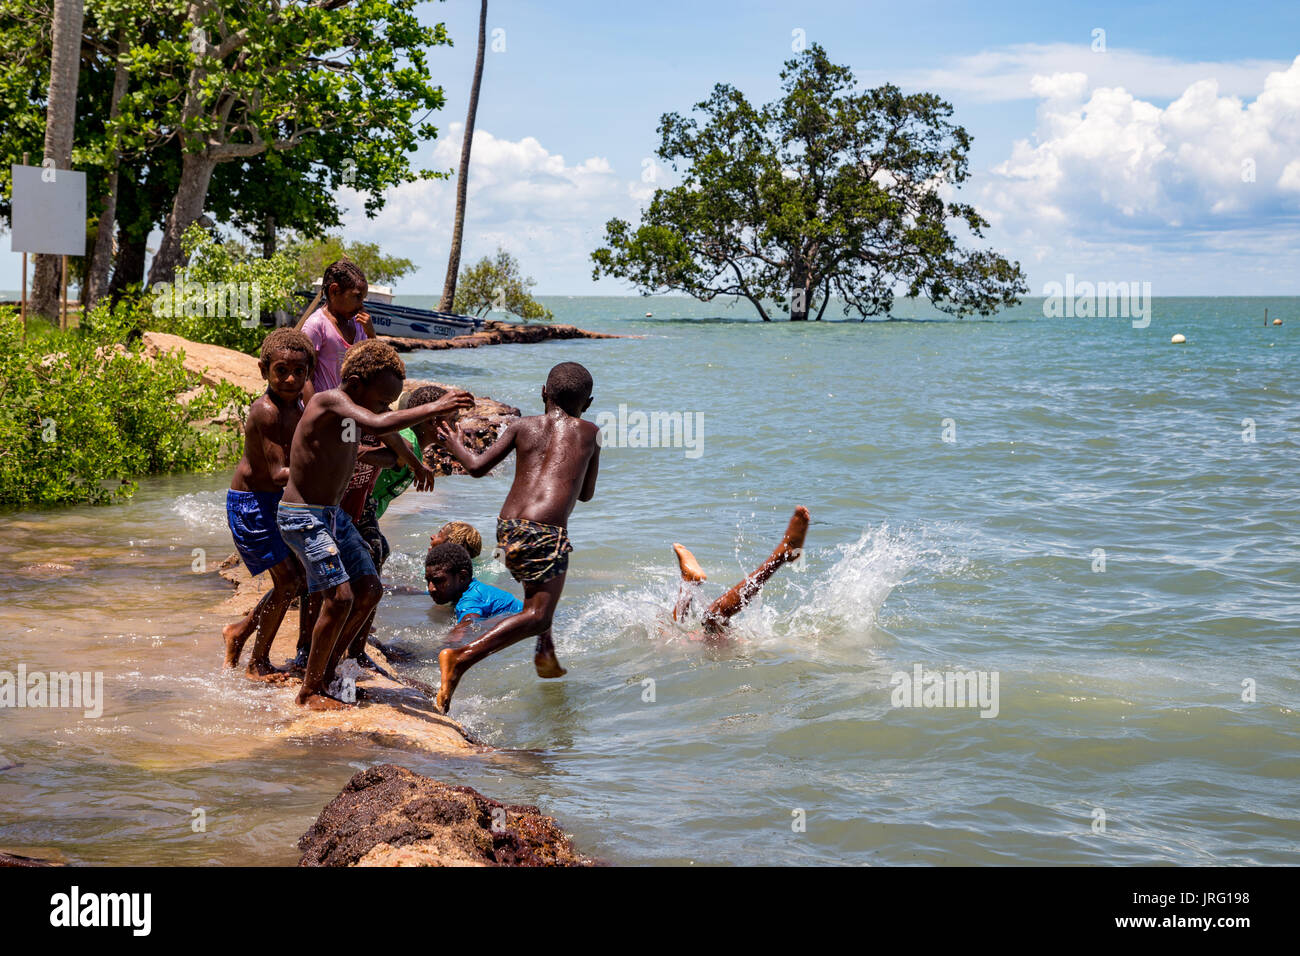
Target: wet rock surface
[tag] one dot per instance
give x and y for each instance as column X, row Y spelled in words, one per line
column 390, row 816
column 14, row 859
column 502, row 333
column 479, row 425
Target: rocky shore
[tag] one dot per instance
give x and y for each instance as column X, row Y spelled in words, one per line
column 502, row 333
column 390, row 816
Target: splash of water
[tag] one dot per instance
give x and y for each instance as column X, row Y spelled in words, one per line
column 841, row 600
column 202, row 510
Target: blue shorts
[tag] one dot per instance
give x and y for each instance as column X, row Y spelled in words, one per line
column 252, row 519
column 326, row 542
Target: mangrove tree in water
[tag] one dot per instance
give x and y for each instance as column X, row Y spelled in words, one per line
column 825, row 192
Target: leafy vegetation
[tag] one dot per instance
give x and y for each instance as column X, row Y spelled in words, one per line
column 313, row 255
column 83, row 413
column 826, row 191
column 255, row 113
column 221, row 296
column 497, row 283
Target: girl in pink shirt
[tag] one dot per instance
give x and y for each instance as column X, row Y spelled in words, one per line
column 338, row 324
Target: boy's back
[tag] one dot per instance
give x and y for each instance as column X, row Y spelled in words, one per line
column 553, row 454
column 557, row 458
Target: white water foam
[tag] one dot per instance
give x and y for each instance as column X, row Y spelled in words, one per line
column 202, row 510
column 843, row 599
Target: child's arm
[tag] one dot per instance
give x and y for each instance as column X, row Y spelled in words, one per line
column 589, row 483
column 477, row 464
column 377, row 455
column 423, row 473
column 463, row 628
column 383, row 423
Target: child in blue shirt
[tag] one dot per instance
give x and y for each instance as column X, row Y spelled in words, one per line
column 449, row 575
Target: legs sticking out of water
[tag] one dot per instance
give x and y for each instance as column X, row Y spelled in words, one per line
column 722, row 610
column 692, row 575
column 238, row 633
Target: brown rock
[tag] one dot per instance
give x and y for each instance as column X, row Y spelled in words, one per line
column 211, row 363
column 389, row 816
column 481, row 425
column 504, row 333
column 397, row 711
column 13, row 859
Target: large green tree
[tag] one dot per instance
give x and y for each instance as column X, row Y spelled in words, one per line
column 308, row 97
column 253, row 77
column 498, row 284
column 61, row 113
column 827, row 191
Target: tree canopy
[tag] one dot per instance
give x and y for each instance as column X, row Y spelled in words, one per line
column 497, row 283
column 253, row 113
column 824, row 192
column 313, row 255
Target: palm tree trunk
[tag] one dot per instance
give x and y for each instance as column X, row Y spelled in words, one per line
column 101, row 258
column 453, row 260
column 60, row 118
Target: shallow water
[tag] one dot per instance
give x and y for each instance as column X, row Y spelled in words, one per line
column 1120, row 690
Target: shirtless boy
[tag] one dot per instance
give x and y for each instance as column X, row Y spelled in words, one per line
column 316, row 529
column 557, row 459
column 719, row 614
column 255, row 491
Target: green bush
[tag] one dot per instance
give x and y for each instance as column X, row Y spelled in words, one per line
column 498, row 284
column 313, row 255
column 83, row 414
column 221, row 296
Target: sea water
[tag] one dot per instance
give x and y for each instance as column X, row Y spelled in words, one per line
column 1104, row 523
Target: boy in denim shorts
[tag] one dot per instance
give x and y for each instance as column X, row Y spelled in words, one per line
column 337, row 561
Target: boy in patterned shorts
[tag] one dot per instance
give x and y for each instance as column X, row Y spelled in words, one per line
column 558, row 457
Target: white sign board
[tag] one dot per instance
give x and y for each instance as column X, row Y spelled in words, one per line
column 49, row 211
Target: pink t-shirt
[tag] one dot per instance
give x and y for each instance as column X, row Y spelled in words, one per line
column 330, row 346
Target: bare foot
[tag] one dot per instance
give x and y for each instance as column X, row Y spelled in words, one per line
column 690, row 568
column 235, row 636
column 791, row 545
column 547, row 664
column 263, row 671
column 321, row 702
column 449, row 665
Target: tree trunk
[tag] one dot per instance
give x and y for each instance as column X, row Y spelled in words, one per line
column 128, row 264
column 453, row 260
column 826, row 299
column 800, row 290
column 196, row 173
column 268, row 237
column 101, row 258
column 60, row 119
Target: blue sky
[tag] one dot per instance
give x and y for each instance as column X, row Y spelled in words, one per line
column 1123, row 163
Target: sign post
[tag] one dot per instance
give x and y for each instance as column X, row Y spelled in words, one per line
column 48, row 216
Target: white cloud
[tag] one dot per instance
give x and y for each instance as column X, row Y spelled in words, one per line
column 548, row 213
column 1009, row 73
column 1209, row 172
